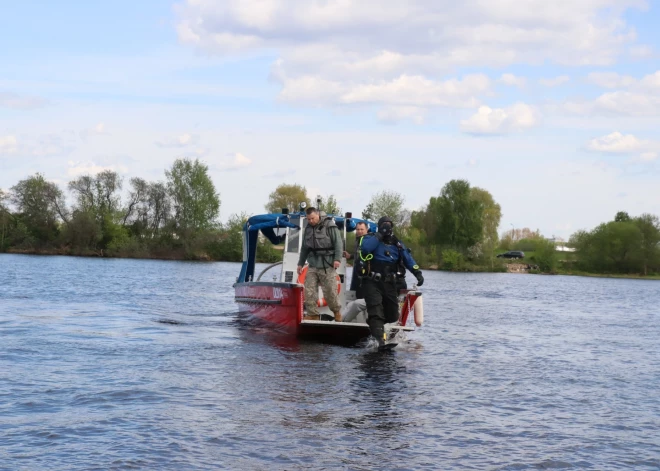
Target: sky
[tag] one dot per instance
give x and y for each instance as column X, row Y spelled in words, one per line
column 553, row 107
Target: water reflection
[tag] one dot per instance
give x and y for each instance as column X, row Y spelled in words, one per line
column 253, row 331
column 378, row 390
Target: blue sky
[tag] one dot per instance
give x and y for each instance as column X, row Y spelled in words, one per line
column 552, row 107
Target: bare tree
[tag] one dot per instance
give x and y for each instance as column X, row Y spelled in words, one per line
column 137, row 197
column 98, row 194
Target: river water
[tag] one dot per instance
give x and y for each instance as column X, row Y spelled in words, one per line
column 132, row 364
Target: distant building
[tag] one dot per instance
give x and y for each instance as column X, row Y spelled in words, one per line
column 560, row 244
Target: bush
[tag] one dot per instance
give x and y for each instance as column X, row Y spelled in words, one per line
column 528, row 245
column 545, row 256
column 130, row 247
column 452, row 260
column 82, row 232
column 115, row 236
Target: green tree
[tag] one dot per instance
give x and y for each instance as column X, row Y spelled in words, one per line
column 5, row 220
column 40, row 206
column 287, row 196
column 622, row 216
column 492, row 214
column 330, row 205
column 228, row 245
column 98, row 196
column 386, row 203
column 195, row 202
column 610, row 247
column 455, row 217
column 515, row 235
column 545, row 255
column 649, row 228
column 83, row 233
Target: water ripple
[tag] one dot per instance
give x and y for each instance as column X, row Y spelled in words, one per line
column 128, row 364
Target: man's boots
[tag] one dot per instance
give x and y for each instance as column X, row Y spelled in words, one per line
column 377, row 330
column 337, row 316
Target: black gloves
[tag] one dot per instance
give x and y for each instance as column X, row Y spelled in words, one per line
column 420, row 278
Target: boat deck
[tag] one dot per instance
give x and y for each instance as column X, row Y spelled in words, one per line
column 348, row 325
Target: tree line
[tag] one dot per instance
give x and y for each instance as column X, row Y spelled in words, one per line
column 178, row 218
column 174, row 218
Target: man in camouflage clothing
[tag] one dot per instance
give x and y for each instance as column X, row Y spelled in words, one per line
column 322, row 249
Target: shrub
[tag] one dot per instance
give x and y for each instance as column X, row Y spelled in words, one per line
column 452, row 260
column 545, row 256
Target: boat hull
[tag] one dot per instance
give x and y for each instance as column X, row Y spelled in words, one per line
column 281, row 305
column 278, row 304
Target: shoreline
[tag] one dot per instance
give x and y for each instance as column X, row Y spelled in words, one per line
column 181, row 257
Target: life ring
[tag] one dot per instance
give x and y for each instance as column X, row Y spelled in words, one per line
column 321, row 302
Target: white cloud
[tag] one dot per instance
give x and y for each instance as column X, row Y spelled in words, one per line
column 501, row 120
column 405, row 90
column 20, row 102
column 633, row 97
column 641, row 51
column 235, row 162
column 610, row 79
column 97, row 130
column 419, row 91
column 648, row 156
column 651, row 82
column 617, row 142
column 46, row 145
column 512, row 80
column 554, row 82
column 202, row 151
column 395, row 114
column 627, row 103
column 8, row 145
column 49, row 145
column 183, row 140
column 77, row 169
column 561, row 32
column 341, row 52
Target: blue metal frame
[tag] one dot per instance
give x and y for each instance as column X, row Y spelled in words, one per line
column 267, row 223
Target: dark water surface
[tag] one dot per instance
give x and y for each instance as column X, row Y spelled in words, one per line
column 133, row 364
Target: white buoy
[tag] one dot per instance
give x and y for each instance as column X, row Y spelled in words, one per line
column 419, row 311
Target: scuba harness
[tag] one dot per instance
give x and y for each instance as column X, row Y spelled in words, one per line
column 381, row 270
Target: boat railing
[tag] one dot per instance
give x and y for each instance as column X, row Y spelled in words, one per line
column 272, row 265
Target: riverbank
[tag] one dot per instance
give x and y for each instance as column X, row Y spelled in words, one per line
column 610, row 275
column 531, row 269
column 182, row 255
column 169, row 255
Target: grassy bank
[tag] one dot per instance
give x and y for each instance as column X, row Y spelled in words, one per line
column 172, row 254
column 633, row 276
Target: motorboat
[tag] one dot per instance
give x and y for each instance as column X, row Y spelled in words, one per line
column 276, row 294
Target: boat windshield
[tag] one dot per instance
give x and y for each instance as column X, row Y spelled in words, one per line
column 294, row 237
